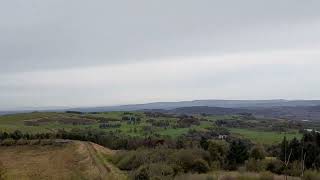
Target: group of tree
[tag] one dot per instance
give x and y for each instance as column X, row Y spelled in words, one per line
column 306, row 151
column 110, row 125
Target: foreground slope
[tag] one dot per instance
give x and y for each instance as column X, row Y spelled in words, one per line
column 73, row 160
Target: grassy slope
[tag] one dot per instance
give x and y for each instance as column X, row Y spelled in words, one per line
column 263, row 137
column 76, row 160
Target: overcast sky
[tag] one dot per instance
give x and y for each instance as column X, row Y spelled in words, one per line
column 93, row 53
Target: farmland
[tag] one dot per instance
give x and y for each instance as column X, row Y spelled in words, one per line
column 133, row 143
column 145, row 124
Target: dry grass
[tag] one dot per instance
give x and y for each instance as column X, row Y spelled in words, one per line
column 75, row 160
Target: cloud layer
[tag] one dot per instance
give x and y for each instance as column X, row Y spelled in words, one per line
column 81, row 53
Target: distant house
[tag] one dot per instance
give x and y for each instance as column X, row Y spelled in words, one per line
column 222, row 137
column 311, row 130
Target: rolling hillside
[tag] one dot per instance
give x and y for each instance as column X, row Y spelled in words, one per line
column 73, row 160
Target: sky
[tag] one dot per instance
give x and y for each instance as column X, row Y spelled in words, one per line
column 93, row 53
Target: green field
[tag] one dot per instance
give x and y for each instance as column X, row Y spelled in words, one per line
column 263, row 137
column 10, row 123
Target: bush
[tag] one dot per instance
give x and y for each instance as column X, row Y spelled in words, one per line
column 124, row 161
column 311, row 175
column 255, row 165
column 186, row 158
column 8, row 142
column 274, row 166
column 142, row 173
column 218, row 151
column 257, row 152
column 200, row 166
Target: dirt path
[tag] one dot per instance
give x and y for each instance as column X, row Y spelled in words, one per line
column 97, row 161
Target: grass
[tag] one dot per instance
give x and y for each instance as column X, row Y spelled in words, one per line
column 263, row 137
column 76, row 160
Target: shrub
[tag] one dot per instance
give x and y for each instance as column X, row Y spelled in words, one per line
column 200, row 166
column 186, row 158
column 255, row 165
column 274, row 166
column 8, row 142
column 141, row 173
column 124, row 160
column 257, row 152
column 218, row 151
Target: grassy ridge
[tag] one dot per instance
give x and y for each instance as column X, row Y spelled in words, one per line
column 75, row 160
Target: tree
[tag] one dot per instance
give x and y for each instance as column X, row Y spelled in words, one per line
column 284, row 149
column 295, row 147
column 218, row 151
column 238, row 153
column 204, row 143
column 257, row 152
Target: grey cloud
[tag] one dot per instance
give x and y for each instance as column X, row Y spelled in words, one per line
column 47, row 34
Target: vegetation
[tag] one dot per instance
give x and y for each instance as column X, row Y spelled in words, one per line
column 72, row 160
column 167, row 146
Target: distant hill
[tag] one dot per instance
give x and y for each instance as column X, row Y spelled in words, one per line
column 291, row 109
column 208, row 103
column 288, row 112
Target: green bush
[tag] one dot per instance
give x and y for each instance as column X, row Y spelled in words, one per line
column 257, row 152
column 124, row 161
column 186, row 158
